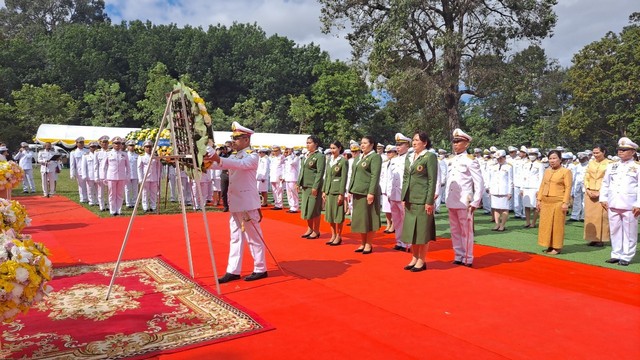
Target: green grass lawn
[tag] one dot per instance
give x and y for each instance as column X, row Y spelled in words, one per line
column 514, row 238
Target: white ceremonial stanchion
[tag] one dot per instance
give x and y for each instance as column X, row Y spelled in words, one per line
column 182, row 141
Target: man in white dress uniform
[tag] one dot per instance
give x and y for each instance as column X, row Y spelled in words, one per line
column 464, row 193
column 75, row 169
column 620, row 195
column 394, row 188
column 291, row 171
column 276, row 169
column 244, row 205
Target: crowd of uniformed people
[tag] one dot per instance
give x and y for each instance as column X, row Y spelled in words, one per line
column 407, row 181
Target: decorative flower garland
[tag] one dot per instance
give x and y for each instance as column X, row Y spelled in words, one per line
column 25, row 267
column 11, row 175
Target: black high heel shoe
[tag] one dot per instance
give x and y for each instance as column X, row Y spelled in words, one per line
column 329, row 242
column 313, row 237
column 336, row 243
column 359, row 249
column 409, row 267
column 365, row 252
column 306, row 235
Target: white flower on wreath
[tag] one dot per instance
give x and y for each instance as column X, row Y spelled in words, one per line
column 22, row 274
column 17, row 292
column 21, row 254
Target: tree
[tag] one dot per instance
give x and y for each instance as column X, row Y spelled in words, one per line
column 605, row 85
column 28, row 17
column 302, row 112
column 423, row 43
column 151, row 108
column 106, row 105
column 46, row 104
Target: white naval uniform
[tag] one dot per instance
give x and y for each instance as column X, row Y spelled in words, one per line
column 464, row 189
column 244, row 205
column 500, row 185
column 484, row 170
column 48, row 171
column 518, row 163
column 577, row 191
column 621, row 192
column 385, row 206
column 116, row 169
column 394, row 192
column 262, row 175
column 25, row 160
column 131, row 186
column 150, row 187
column 89, row 165
column 532, row 174
column 442, row 183
column 101, row 156
column 276, row 168
column 76, row 171
column 290, row 174
column 204, row 182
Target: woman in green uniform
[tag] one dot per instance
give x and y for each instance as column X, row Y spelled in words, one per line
column 335, row 183
column 310, row 182
column 418, row 193
column 365, row 191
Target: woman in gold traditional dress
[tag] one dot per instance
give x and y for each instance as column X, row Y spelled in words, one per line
column 596, row 221
column 553, row 201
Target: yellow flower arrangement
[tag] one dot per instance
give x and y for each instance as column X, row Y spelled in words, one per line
column 11, row 174
column 25, row 270
column 13, row 216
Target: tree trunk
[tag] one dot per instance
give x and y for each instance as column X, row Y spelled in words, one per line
column 450, row 84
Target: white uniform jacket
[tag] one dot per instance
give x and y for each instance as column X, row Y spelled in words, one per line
column 75, row 163
column 291, row 168
column 154, row 172
column 276, row 168
column 133, row 165
column 501, row 179
column 395, row 175
column 89, row 164
column 116, row 166
column 101, row 156
column 464, row 182
column 578, row 180
column 532, row 174
column 43, row 157
column 262, row 172
column 620, row 185
column 25, row 159
column 243, row 192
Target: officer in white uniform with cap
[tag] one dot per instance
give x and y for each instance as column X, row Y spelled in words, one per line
column 131, row 186
column 90, row 168
column 75, row 168
column 48, row 169
column 116, row 169
column 290, row 176
column 578, row 189
column 101, row 157
column 276, row 169
column 25, row 160
column 464, row 193
column 244, row 205
column 262, row 175
column 394, row 188
column 620, row 195
column 150, row 185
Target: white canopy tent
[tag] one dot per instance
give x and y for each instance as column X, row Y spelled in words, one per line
column 66, row 135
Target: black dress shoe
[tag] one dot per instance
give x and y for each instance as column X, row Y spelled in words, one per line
column 409, row 267
column 398, row 247
column 225, row 209
column 468, row 265
column 612, row 261
column 623, row 263
column 277, row 208
column 598, row 244
column 256, row 276
column 457, row 262
column 228, row 277
column 418, row 269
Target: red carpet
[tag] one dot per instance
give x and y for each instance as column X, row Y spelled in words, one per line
column 334, row 303
column 152, row 309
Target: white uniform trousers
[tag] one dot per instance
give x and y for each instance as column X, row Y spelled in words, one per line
column 48, row 183
column 205, row 189
column 173, row 187
column 244, row 227
column 397, row 216
column 624, row 234
column 150, row 195
column 82, row 189
column 461, row 223
column 577, row 210
column 131, row 191
column 440, row 199
column 28, row 184
column 116, row 195
column 102, row 193
column 92, row 190
column 517, row 202
column 276, row 191
column 292, row 196
column 486, row 202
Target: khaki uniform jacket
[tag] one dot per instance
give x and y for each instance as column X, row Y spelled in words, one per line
column 312, row 171
column 420, row 179
column 335, row 179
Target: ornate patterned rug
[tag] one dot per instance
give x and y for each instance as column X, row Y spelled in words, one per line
column 153, row 308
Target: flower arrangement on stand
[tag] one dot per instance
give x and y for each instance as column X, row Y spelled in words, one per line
column 11, row 174
column 25, row 267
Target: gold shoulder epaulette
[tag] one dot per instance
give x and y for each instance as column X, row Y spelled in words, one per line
column 471, row 156
column 249, row 151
